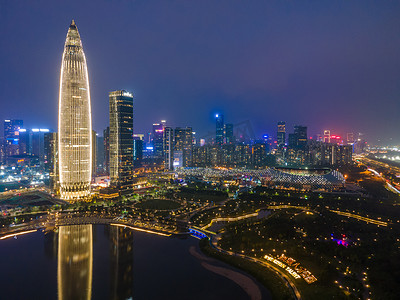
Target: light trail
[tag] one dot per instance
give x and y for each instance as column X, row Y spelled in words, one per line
column 388, row 184
column 140, row 229
column 18, row 233
column 358, row 217
column 230, row 219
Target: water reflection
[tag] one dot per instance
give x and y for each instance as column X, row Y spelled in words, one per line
column 121, row 262
column 75, row 262
column 73, row 246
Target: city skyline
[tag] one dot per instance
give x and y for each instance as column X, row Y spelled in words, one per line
column 260, row 64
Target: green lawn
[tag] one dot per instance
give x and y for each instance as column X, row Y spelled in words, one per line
column 158, row 204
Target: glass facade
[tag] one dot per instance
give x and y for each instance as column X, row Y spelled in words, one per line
column 121, row 140
column 74, row 121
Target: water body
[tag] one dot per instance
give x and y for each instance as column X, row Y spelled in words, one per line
column 108, row 262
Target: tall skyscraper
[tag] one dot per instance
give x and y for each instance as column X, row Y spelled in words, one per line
column 11, row 136
column 327, row 136
column 94, row 154
column 121, row 141
column 99, row 155
column 301, row 136
column 138, row 141
column 51, row 158
column 74, row 121
column 183, row 146
column 168, row 148
column 219, row 134
column 281, row 134
column 158, row 133
column 106, row 143
column 229, row 139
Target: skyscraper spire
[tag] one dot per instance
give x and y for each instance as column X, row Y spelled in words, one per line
column 74, row 121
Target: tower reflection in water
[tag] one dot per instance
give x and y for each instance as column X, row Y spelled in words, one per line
column 75, row 262
column 121, row 262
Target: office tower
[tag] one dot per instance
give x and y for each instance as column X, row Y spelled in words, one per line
column 292, row 140
column 259, row 154
column 31, row 143
column 138, row 140
column 158, row 133
column 168, row 148
column 229, row 139
column 301, row 136
column 281, row 134
column 350, row 138
column 226, row 154
column 242, row 155
column 99, row 155
column 183, row 138
column 74, row 121
column 51, row 158
column 75, row 262
column 121, row 141
column 25, row 141
column 11, row 136
column 106, row 144
column 2, row 151
column 94, row 153
column 219, row 138
column 327, row 136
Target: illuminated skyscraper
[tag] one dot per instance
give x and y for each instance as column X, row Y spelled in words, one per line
column 11, row 136
column 74, row 121
column 301, row 136
column 183, row 149
column 229, row 134
column 219, row 133
column 281, row 134
column 168, row 148
column 121, row 141
column 158, row 134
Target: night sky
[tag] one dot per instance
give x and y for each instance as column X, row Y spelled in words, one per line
column 324, row 64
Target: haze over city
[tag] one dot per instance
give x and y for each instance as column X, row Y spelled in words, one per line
column 199, row 150
column 322, row 64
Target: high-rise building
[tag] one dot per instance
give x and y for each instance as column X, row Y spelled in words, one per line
column 74, row 121
column 2, row 151
column 350, row 138
column 51, row 158
column 183, row 149
column 168, row 148
column 301, row 136
column 229, row 139
column 259, row 154
column 121, row 141
column 106, row 143
column 158, row 133
column 99, row 155
column 138, row 140
column 219, row 134
column 281, row 134
column 327, row 136
column 94, row 153
column 31, row 143
column 11, row 136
